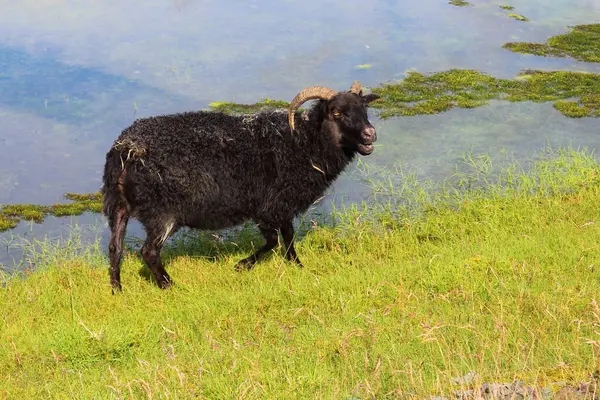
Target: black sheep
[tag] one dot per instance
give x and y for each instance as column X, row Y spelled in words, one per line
column 209, row 170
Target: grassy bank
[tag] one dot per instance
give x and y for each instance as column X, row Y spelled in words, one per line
column 499, row 279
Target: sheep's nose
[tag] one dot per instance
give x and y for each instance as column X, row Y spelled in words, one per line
column 368, row 134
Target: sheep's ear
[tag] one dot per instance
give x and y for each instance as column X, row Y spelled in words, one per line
column 371, row 97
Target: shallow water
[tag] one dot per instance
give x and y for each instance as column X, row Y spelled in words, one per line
column 73, row 74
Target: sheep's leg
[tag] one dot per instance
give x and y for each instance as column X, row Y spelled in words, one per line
column 118, row 224
column 287, row 231
column 151, row 255
column 270, row 236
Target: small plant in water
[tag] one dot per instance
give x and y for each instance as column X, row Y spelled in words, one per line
column 518, row 17
column 459, row 3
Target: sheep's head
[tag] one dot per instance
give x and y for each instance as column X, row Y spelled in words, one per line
column 345, row 115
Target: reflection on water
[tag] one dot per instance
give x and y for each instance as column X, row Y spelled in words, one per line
column 73, row 74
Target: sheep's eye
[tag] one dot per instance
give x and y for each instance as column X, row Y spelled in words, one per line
column 337, row 114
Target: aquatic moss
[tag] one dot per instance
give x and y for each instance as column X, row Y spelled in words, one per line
column 97, row 196
column 459, row 3
column 518, row 17
column 587, row 105
column 7, row 222
column 431, row 94
column 571, row 109
column 78, row 208
column 11, row 214
column 88, row 202
column 592, row 101
column 262, row 105
column 29, row 212
column 582, row 43
column 505, row 7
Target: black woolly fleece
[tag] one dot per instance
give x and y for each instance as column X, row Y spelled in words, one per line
column 210, row 170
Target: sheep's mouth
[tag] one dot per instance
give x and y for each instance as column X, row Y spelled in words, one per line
column 365, row 149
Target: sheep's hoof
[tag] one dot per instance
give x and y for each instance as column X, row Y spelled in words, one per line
column 295, row 260
column 116, row 288
column 165, row 285
column 165, row 282
column 244, row 265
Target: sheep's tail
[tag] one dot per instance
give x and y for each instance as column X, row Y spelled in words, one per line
column 113, row 195
column 117, row 171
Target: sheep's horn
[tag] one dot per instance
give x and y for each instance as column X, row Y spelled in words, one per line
column 356, row 87
column 310, row 93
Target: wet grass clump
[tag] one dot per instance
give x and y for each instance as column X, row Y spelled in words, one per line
column 11, row 214
column 421, row 94
column 459, row 3
column 235, row 108
column 491, row 284
column 582, row 43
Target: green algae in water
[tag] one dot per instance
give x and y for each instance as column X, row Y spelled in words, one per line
column 421, row 94
column 459, row 3
column 78, row 208
column 7, row 222
column 29, row 212
column 262, row 105
column 582, row 43
column 11, row 214
column 518, row 17
column 587, row 105
column 97, row 196
column 505, row 7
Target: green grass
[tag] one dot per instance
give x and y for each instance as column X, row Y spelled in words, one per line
column 582, row 43
column 495, row 272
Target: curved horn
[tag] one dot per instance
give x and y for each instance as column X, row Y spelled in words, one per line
column 356, row 87
column 310, row 93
